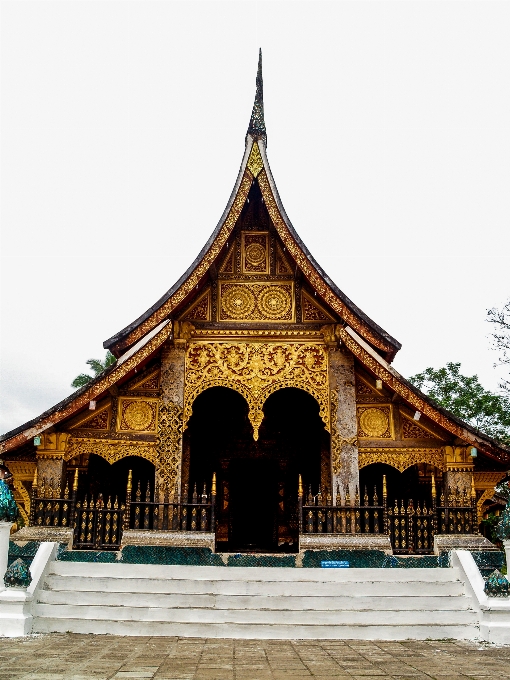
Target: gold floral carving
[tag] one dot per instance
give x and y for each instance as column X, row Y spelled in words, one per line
column 312, row 311
column 313, row 276
column 96, row 421
column 265, row 301
column 255, row 163
column 374, row 422
column 282, row 265
column 200, row 310
column 256, row 370
column 149, row 381
column 112, row 450
column 169, row 444
column 255, row 252
column 136, row 415
column 401, row 459
column 411, row 430
column 200, row 270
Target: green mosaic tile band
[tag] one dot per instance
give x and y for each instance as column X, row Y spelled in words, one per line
column 488, row 561
column 241, row 560
column 157, row 554
column 25, row 552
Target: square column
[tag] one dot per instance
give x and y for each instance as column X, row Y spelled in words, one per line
column 168, row 472
column 344, row 426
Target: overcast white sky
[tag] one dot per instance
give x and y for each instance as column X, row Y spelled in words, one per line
column 123, row 128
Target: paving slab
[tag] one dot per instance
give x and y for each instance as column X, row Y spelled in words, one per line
column 59, row 656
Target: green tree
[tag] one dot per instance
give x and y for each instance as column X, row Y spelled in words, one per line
column 97, row 367
column 465, row 397
column 500, row 319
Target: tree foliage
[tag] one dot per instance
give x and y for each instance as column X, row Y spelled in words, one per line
column 500, row 319
column 97, row 367
column 465, row 397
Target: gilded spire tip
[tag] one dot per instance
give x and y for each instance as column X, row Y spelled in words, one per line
column 257, row 126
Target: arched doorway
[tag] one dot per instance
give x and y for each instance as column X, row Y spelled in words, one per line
column 413, row 484
column 110, row 480
column 257, row 480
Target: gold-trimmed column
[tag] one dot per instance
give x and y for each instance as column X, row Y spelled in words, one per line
column 459, row 469
column 51, row 454
column 344, row 427
column 170, row 414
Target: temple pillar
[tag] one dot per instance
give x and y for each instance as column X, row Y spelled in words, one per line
column 344, row 426
column 168, row 473
column 459, row 470
column 50, row 457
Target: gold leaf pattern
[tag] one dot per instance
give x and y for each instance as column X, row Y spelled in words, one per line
column 256, row 371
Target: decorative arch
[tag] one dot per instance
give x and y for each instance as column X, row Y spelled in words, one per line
column 257, row 370
column 112, row 450
column 401, row 459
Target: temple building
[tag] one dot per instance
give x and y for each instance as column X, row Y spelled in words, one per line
column 253, row 407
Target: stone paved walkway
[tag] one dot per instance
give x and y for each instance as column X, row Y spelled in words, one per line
column 89, row 657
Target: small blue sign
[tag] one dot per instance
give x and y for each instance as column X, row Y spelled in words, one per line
column 334, row 564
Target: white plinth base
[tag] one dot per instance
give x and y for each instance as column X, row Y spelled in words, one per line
column 5, row 530
column 345, row 542
column 175, row 539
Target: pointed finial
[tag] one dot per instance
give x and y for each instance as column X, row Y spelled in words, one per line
column 257, row 126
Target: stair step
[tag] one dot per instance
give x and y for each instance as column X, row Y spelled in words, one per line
column 256, row 616
column 190, row 587
column 272, row 602
column 253, row 631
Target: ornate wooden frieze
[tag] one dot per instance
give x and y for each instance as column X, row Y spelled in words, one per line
column 375, row 422
column 200, row 310
column 313, row 312
column 95, row 420
column 254, row 252
column 283, row 267
column 148, row 381
column 411, row 429
column 256, row 370
column 137, row 415
column 401, row 458
column 112, row 450
column 257, row 301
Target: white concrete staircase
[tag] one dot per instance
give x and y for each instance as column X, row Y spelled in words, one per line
column 125, row 599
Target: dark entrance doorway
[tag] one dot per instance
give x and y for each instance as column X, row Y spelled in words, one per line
column 253, row 504
column 257, row 481
column 110, row 481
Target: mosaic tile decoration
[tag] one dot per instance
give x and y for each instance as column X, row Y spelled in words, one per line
column 487, row 561
column 158, row 554
column 244, row 560
column 87, row 556
column 25, row 552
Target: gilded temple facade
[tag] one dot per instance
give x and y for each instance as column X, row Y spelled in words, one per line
column 255, row 403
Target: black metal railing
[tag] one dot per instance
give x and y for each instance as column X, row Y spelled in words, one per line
column 411, row 526
column 160, row 512
column 98, row 523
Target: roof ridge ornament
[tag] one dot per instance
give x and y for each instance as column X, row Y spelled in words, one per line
column 257, row 126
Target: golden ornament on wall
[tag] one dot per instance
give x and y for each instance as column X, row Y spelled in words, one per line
column 374, row 422
column 238, row 302
column 137, row 415
column 255, row 254
column 266, row 301
column 275, row 302
column 256, row 370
